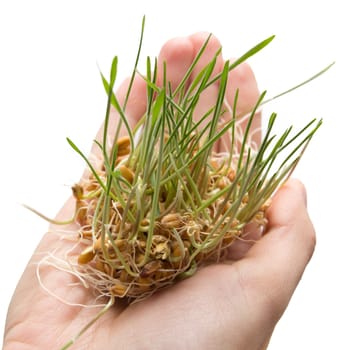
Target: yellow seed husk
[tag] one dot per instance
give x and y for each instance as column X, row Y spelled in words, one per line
column 86, row 255
column 99, row 265
column 78, row 191
column 118, row 290
column 92, row 186
column 108, row 270
column 143, row 285
column 126, row 173
column 123, row 146
column 81, row 212
column 150, row 268
column 172, row 220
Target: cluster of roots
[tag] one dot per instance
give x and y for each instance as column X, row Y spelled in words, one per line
column 133, row 259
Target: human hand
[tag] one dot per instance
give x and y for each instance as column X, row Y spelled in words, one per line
column 234, row 305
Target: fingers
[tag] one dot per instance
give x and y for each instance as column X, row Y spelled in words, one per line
column 242, row 79
column 242, row 82
column 178, row 54
column 213, row 46
column 136, row 103
column 273, row 267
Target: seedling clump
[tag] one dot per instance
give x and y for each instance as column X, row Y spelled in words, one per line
column 163, row 200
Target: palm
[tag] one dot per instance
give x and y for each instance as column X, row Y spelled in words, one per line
column 44, row 322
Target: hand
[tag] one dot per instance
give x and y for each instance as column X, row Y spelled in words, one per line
column 223, row 306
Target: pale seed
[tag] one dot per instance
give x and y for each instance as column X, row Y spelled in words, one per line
column 150, row 268
column 81, row 212
column 231, row 174
column 98, row 244
column 144, row 284
column 86, row 255
column 123, row 146
column 119, row 290
column 122, row 244
column 171, row 221
column 108, row 270
column 78, row 191
column 99, row 265
column 126, row 173
column 92, row 186
column 139, row 258
column 222, row 183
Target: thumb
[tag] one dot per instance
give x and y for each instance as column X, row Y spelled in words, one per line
column 273, row 267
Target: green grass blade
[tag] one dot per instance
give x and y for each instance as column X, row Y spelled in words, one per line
column 94, row 172
column 245, row 56
column 300, row 84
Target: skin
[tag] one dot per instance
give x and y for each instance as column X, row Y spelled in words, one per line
column 234, row 305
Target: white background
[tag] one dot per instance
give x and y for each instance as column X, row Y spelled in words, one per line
column 50, row 89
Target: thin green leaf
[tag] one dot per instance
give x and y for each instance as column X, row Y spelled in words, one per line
column 94, row 172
